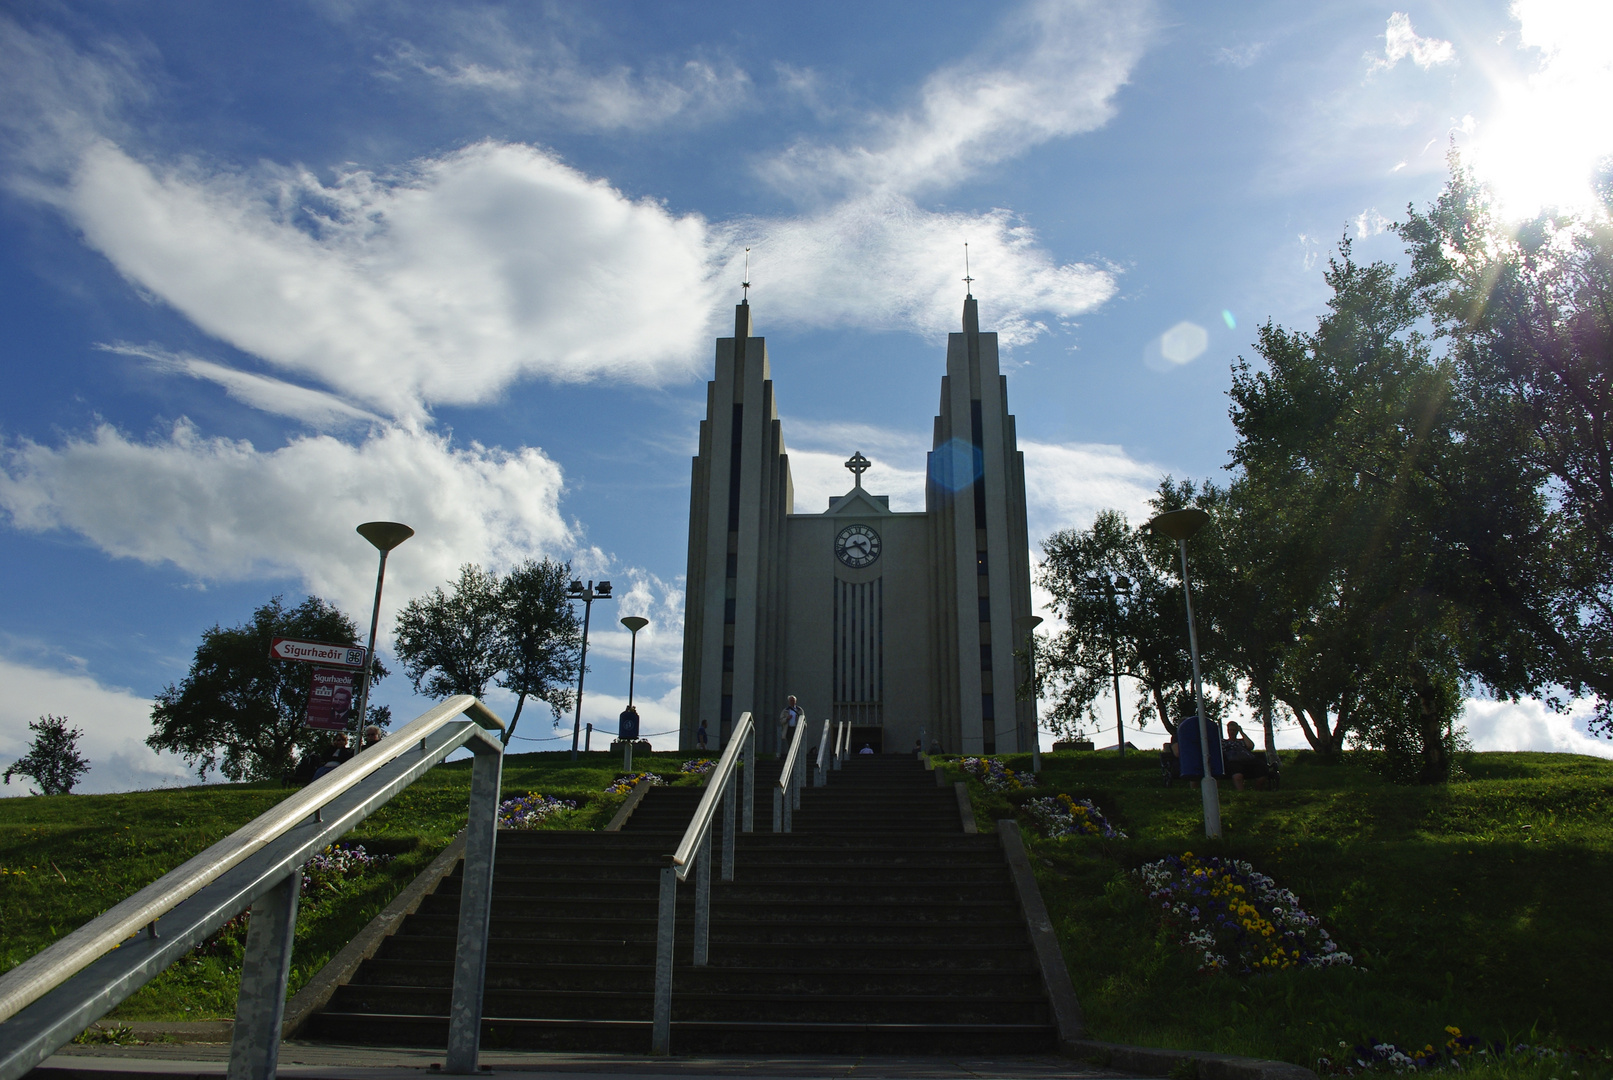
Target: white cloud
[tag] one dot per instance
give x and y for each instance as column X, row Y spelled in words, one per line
column 115, row 723
column 1053, row 72
column 1529, row 725
column 1548, row 134
column 222, row 510
column 313, row 407
column 1066, row 484
column 441, row 284
column 1240, row 56
column 1371, row 223
column 551, row 79
column 1401, row 41
column 881, row 262
column 819, row 451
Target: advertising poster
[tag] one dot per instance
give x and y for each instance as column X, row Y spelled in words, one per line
column 330, row 699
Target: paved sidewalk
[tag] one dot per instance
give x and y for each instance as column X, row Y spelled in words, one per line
column 309, row 1061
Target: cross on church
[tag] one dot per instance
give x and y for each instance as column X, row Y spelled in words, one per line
column 859, row 465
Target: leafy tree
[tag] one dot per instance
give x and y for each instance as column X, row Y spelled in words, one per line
column 542, row 639
column 52, row 761
column 1528, row 314
column 239, row 709
column 451, row 643
column 518, row 631
column 1141, row 632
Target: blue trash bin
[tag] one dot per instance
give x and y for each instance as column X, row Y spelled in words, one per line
column 1187, row 737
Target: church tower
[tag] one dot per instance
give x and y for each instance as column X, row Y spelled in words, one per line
column 975, row 496
column 903, row 623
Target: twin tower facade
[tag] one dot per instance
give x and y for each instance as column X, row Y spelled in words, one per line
column 912, row 626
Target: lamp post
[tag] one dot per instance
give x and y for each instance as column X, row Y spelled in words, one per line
column 385, row 535
column 1105, row 585
column 1181, row 525
column 587, row 596
column 635, row 623
column 1026, row 625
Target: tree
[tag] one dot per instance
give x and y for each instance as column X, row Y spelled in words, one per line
column 52, row 761
column 519, row 631
column 542, row 639
column 1141, row 632
column 239, row 709
column 451, row 643
column 1528, row 314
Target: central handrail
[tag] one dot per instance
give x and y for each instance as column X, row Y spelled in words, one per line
column 694, row 853
column 787, row 796
column 258, row 855
column 821, row 778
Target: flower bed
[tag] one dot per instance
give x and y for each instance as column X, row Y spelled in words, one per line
column 529, row 811
column 1062, row 815
column 995, row 775
column 1458, row 1051
column 1233, row 919
column 699, row 765
column 336, row 863
column 623, row 784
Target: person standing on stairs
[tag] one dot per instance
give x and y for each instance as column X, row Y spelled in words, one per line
column 786, row 723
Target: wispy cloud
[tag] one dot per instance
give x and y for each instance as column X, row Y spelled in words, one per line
column 1052, row 72
column 1400, row 41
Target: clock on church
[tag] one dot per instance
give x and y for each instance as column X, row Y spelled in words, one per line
column 857, row 545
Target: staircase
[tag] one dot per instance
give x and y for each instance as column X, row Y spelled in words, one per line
column 877, row 926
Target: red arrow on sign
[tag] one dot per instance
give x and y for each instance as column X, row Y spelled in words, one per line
column 317, row 652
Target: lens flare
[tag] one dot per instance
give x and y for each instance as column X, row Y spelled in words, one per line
column 1230, row 319
column 955, row 464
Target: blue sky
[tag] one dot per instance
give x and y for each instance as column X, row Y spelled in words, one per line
column 267, row 271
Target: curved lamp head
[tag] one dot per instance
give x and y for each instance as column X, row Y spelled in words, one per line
column 1180, row 524
column 635, row 623
column 385, row 535
column 1026, row 623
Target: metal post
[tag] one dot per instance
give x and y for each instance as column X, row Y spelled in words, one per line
column 369, row 654
column 779, row 818
column 260, row 1007
column 728, row 830
column 750, row 781
column 1114, row 670
column 702, row 902
column 588, row 740
column 627, row 755
column 582, row 666
column 475, row 912
column 1207, row 786
column 666, row 923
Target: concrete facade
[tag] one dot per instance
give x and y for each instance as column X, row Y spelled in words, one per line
column 920, row 639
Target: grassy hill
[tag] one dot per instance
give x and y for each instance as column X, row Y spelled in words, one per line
column 1481, row 905
column 66, row 858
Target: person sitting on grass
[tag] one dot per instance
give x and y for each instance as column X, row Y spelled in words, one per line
column 1238, row 751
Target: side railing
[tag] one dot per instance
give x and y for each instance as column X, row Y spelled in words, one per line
column 787, row 795
column 48, row 999
column 842, row 742
column 694, row 853
column 819, row 776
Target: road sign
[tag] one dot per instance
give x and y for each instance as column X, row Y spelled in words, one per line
column 330, row 698
column 317, row 652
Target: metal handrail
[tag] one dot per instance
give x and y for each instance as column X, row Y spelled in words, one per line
column 844, row 742
column 694, row 853
column 49, row 998
column 787, row 796
column 821, row 778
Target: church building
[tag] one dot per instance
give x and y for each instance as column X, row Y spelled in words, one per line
column 912, row 626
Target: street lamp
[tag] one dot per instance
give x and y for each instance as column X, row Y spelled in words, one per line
column 1026, row 625
column 587, row 596
column 1181, row 525
column 635, row 623
column 385, row 535
column 1104, row 585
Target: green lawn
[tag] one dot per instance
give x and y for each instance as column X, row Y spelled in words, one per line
column 66, row 858
column 1481, row 905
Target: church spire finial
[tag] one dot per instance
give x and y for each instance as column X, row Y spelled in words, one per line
column 968, row 293
column 745, row 284
column 858, row 465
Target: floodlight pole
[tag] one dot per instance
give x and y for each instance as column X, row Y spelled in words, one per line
column 1179, row 525
column 384, row 535
column 587, row 596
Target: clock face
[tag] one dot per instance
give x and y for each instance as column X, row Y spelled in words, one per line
column 857, row 545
